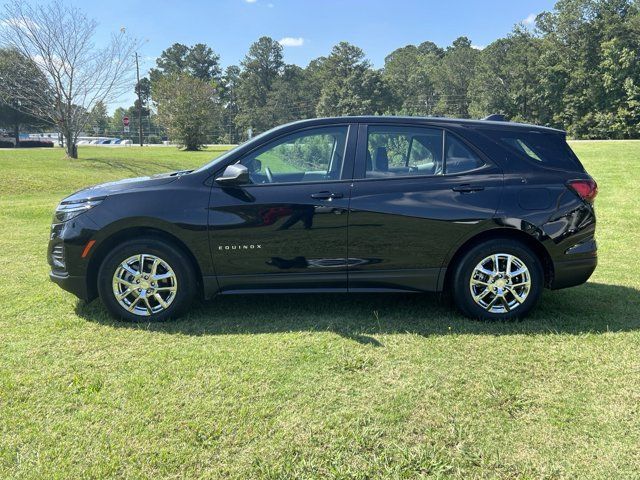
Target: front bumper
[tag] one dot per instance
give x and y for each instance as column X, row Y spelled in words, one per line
column 72, row 284
column 64, row 254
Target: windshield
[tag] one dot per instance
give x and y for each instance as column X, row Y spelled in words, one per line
column 218, row 160
column 213, row 164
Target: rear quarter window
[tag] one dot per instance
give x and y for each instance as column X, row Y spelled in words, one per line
column 550, row 149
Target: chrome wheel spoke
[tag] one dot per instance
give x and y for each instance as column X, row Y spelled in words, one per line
column 483, row 270
column 482, row 294
column 492, row 302
column 154, row 266
column 127, row 284
column 516, row 295
column 161, row 301
column 163, row 276
column 165, row 289
column 148, row 305
column 124, row 294
column 518, row 272
column 505, row 303
column 133, row 304
column 130, row 270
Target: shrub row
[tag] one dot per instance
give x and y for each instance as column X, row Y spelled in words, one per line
column 26, row 144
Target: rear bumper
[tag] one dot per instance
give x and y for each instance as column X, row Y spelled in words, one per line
column 72, row 284
column 569, row 273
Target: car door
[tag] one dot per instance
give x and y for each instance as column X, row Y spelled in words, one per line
column 417, row 191
column 286, row 228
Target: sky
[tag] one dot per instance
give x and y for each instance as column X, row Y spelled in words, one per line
column 307, row 29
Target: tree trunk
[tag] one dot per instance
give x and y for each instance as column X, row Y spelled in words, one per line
column 71, row 147
column 16, row 133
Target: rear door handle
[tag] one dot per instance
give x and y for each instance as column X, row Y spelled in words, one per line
column 326, row 195
column 467, row 188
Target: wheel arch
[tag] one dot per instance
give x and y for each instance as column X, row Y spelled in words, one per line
column 115, row 238
column 502, row 233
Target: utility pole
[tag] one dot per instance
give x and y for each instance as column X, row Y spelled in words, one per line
column 139, row 101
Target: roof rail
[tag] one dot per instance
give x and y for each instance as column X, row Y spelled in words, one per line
column 496, row 117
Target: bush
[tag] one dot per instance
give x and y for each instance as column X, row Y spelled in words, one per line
column 35, row 143
column 6, row 144
column 153, row 139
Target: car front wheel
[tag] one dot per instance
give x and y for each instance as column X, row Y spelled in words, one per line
column 498, row 280
column 146, row 280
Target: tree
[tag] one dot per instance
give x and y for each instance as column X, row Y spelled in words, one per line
column 409, row 72
column 197, row 71
column 172, row 60
column 261, row 68
column 289, row 98
column 199, row 61
column 591, row 63
column 186, row 106
column 143, row 90
column 453, row 76
column 507, row 78
column 230, row 106
column 204, row 63
column 59, row 39
column 98, row 118
column 349, row 85
column 23, row 74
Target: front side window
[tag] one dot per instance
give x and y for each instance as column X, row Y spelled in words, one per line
column 403, row 151
column 307, row 156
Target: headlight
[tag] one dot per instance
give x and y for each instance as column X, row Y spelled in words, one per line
column 67, row 211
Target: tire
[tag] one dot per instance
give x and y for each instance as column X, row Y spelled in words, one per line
column 163, row 296
column 475, row 277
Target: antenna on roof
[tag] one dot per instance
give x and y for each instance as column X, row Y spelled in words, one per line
column 496, row 117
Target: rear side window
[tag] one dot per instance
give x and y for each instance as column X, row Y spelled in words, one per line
column 398, row 151
column 459, row 158
column 547, row 148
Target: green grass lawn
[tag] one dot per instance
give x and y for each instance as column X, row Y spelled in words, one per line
column 324, row 386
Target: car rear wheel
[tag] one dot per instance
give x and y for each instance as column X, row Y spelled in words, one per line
column 498, row 280
column 146, row 280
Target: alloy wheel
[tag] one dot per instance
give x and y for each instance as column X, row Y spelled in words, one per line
column 144, row 284
column 500, row 283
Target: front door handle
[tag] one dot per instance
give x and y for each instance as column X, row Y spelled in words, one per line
column 467, row 188
column 326, row 195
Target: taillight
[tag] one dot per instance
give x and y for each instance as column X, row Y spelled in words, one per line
column 587, row 189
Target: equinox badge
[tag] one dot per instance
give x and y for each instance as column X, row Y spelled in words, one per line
column 240, row 247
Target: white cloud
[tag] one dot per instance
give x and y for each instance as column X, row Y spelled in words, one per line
column 478, row 47
column 530, row 20
column 291, row 41
column 251, row 1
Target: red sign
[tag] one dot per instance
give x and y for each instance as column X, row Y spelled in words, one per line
column 125, row 121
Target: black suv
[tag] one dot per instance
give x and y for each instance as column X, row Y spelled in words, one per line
column 491, row 211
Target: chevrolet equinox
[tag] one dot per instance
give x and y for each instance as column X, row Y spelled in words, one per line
column 488, row 210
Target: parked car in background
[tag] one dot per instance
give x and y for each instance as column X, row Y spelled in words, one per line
column 490, row 211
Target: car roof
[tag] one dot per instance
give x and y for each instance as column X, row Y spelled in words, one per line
column 387, row 119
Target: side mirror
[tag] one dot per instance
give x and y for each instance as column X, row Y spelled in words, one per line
column 234, row 175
